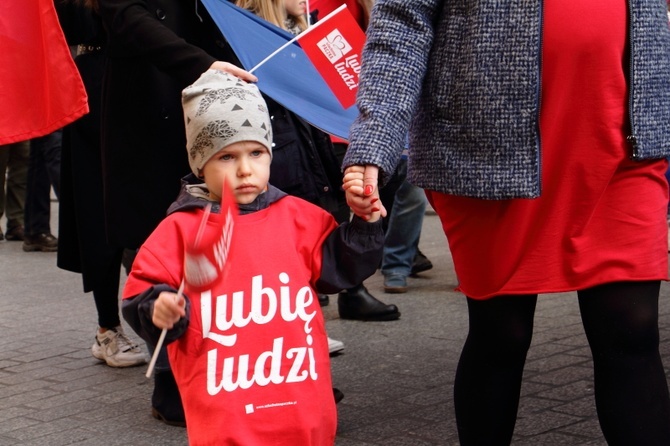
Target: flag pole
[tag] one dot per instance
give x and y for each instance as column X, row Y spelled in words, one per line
column 310, row 29
column 309, row 16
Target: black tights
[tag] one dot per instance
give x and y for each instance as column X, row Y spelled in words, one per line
column 106, row 293
column 621, row 325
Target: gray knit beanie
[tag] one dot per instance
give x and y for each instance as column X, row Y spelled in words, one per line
column 219, row 110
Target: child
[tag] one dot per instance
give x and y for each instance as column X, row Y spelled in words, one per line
column 261, row 373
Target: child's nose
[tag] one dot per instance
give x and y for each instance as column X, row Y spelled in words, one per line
column 244, row 167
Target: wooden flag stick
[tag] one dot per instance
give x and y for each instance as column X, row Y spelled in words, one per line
column 161, row 339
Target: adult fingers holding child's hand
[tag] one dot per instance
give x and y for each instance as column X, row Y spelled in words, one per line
column 168, row 309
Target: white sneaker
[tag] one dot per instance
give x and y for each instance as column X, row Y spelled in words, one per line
column 335, row 346
column 116, row 349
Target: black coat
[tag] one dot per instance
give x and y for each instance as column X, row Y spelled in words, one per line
column 82, row 241
column 304, row 163
column 156, row 49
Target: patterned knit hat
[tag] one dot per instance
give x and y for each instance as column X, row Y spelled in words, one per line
column 219, row 110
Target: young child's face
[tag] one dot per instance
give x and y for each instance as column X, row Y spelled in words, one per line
column 246, row 165
column 295, row 7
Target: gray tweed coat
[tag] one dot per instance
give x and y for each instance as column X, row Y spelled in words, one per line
column 464, row 77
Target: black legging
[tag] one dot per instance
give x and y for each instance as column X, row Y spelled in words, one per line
column 106, row 290
column 621, row 325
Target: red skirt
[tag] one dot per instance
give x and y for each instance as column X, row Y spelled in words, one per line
column 601, row 217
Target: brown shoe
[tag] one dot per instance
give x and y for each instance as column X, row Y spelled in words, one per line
column 43, row 242
column 15, row 234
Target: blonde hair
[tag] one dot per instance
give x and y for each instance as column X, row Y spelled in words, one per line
column 273, row 11
column 300, row 22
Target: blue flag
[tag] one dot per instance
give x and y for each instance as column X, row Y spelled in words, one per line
column 288, row 77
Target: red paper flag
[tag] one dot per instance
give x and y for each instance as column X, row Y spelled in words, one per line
column 206, row 257
column 334, row 46
column 40, row 87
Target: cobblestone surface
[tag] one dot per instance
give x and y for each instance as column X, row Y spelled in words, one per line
column 397, row 376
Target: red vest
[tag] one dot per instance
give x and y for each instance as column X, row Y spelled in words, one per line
column 253, row 366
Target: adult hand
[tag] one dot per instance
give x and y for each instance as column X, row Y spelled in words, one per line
column 362, row 192
column 234, row 70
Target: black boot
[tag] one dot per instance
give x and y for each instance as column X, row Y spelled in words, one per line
column 357, row 303
column 420, row 263
column 166, row 403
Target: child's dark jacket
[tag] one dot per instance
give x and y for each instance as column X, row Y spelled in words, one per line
column 251, row 358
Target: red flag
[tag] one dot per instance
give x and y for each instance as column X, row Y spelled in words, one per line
column 334, row 46
column 40, row 87
column 206, row 257
column 324, row 7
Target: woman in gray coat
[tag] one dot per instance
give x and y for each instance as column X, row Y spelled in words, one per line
column 539, row 131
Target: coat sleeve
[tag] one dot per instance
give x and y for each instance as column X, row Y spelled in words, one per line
column 137, row 311
column 157, row 267
column 395, row 58
column 136, row 30
column 350, row 254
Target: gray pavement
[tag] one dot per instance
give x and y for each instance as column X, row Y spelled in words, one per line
column 397, row 376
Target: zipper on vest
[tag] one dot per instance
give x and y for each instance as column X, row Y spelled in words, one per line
column 632, row 139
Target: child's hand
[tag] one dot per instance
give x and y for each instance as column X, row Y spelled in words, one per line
column 168, row 310
column 352, row 181
column 360, row 187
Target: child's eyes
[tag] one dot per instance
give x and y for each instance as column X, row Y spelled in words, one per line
column 230, row 157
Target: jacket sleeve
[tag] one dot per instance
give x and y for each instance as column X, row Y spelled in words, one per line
column 351, row 253
column 136, row 31
column 137, row 312
column 398, row 44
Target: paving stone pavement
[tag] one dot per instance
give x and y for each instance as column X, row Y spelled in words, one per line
column 397, row 376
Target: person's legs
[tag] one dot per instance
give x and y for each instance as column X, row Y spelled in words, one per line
column 4, row 161
column 37, row 213
column 51, row 146
column 621, row 325
column 38, row 208
column 17, row 177
column 402, row 236
column 488, row 377
column 106, row 295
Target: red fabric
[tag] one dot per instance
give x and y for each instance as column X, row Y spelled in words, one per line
column 263, row 311
column 40, row 87
column 601, row 217
column 325, row 7
column 334, row 45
